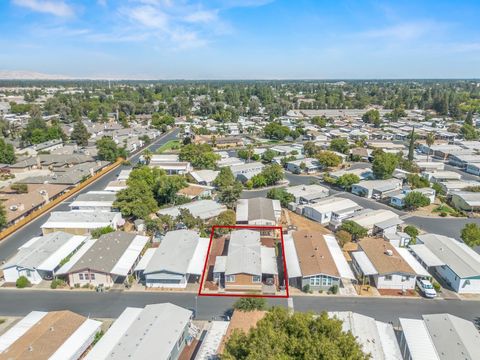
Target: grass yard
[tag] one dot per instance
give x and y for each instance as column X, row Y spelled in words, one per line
column 168, row 146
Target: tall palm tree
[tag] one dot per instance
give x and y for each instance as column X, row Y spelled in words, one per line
column 430, row 141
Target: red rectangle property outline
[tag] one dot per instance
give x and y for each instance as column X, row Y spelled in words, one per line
column 246, row 227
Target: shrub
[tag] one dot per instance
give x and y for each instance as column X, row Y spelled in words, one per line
column 436, row 286
column 22, row 282
column 250, row 304
column 306, row 289
column 334, row 289
column 57, row 283
column 443, row 214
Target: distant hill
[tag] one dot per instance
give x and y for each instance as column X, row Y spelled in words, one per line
column 30, row 75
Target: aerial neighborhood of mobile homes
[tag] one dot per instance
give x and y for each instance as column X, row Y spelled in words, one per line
column 310, row 204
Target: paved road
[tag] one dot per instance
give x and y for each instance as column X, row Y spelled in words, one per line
column 111, row 304
column 9, row 245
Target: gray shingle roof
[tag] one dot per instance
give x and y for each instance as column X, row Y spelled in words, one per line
column 105, row 252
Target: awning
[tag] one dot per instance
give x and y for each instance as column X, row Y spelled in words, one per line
column 197, row 262
column 142, row 264
column 414, row 264
column 337, row 255
column 426, row 255
column 364, row 263
column 291, row 258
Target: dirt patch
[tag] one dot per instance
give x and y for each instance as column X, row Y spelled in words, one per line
column 302, row 223
column 347, row 248
column 396, row 292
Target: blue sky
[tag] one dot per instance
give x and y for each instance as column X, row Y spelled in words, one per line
column 235, row 39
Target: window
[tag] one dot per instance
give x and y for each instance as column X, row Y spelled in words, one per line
column 29, row 273
column 256, row 279
column 230, row 278
column 326, row 281
column 80, row 276
column 86, row 276
column 405, row 278
column 388, row 277
column 92, row 276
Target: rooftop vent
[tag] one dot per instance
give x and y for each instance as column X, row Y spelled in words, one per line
column 389, row 252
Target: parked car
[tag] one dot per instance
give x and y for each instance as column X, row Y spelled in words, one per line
column 426, row 288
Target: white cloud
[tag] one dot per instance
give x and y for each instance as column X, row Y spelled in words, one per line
column 54, row 7
column 402, row 31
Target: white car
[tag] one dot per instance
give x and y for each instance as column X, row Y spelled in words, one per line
column 426, row 288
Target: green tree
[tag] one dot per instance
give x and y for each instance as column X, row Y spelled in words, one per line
column 328, row 159
column 250, row 304
column 319, row 121
column 372, row 117
column 136, row 201
column 224, row 178
column 274, row 130
column 272, row 174
column 268, row 156
column 417, row 182
column 384, row 164
column 80, row 134
column 3, row 216
column 108, row 149
column 166, row 188
column 282, row 195
column 281, row 335
column 469, row 118
column 347, row 180
column 340, row 145
column 414, row 199
column 411, row 146
column 471, row 234
column 230, row 194
column 226, row 218
column 201, row 156
column 469, row 132
column 7, row 152
column 357, row 231
column 310, row 148
column 96, row 233
column 412, row 231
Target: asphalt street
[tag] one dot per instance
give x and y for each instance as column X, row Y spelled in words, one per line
column 9, row 245
column 111, row 304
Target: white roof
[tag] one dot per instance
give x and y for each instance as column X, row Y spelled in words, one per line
column 126, row 261
column 370, row 218
column 78, row 341
column 197, row 262
column 291, row 257
column 78, row 254
column 19, row 329
column 332, row 204
column 364, row 262
column 414, row 264
column 115, row 332
column 459, row 257
column 338, row 257
column 418, row 340
column 204, row 175
column 376, row 338
column 153, row 333
column 307, row 191
column 269, row 260
column 80, row 219
column 213, row 339
column 177, row 253
column 46, row 252
column 147, row 256
column 424, row 253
